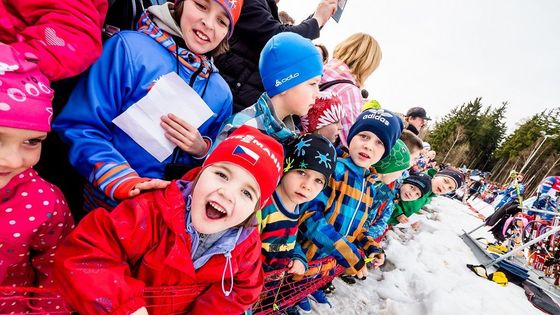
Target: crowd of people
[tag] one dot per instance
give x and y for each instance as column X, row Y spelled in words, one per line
column 293, row 163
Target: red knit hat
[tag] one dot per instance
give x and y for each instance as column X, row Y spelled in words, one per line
column 233, row 10
column 25, row 95
column 259, row 154
column 326, row 110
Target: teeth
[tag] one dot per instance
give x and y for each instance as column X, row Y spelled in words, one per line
column 217, row 207
column 202, row 36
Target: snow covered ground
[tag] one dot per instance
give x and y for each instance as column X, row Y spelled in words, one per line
column 425, row 274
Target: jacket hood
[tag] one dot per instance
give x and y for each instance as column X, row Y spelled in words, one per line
column 162, row 15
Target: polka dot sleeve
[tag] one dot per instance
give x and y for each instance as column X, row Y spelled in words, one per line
column 58, row 223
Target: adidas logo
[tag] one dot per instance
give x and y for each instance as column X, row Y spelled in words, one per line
column 286, row 79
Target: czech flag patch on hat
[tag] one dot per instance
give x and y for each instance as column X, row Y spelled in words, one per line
column 247, row 154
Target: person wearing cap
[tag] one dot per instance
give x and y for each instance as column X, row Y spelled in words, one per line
column 197, row 234
column 308, row 165
column 416, row 119
column 34, row 216
column 258, row 23
column 324, row 117
column 290, row 68
column 442, row 182
column 181, row 38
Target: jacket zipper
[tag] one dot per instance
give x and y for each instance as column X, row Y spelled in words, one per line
column 356, row 210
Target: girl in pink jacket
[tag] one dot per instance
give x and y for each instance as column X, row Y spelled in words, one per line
column 34, row 216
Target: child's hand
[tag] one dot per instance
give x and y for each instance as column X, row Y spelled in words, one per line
column 416, row 225
column 296, row 267
column 378, row 259
column 184, row 135
column 151, row 184
column 402, row 219
column 141, row 311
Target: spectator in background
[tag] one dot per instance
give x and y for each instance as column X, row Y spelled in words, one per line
column 285, row 18
column 324, row 52
column 416, row 119
column 354, row 59
column 259, row 21
column 63, row 37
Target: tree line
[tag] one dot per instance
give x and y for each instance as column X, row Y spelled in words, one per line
column 474, row 135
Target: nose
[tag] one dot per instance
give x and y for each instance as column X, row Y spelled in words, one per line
column 226, row 193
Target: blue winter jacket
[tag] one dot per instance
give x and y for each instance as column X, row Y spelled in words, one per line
column 129, row 66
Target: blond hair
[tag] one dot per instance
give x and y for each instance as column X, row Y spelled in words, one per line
column 361, row 53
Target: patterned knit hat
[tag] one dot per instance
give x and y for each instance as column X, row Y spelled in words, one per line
column 454, row 174
column 233, row 10
column 256, row 152
column 311, row 152
column 287, row 60
column 422, row 181
column 381, row 122
column 326, row 110
column 25, row 95
column 397, row 160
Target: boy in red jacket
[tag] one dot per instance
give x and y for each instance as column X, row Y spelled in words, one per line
column 194, row 244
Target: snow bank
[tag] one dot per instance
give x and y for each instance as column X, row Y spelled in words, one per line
column 425, row 274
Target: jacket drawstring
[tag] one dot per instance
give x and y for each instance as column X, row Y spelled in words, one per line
column 228, row 263
column 230, row 266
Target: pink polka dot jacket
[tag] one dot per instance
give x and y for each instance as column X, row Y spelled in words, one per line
column 34, row 218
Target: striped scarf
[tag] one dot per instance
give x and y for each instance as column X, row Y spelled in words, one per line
column 148, row 27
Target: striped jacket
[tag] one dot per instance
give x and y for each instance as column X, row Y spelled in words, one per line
column 333, row 223
column 278, row 229
column 261, row 116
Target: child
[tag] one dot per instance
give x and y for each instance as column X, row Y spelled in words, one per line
column 180, row 38
column 33, row 213
column 333, row 223
column 443, row 182
column 324, row 117
column 413, row 143
column 309, row 163
column 200, row 235
column 388, row 170
column 290, row 67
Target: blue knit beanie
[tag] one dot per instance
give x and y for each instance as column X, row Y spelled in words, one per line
column 287, row 60
column 381, row 122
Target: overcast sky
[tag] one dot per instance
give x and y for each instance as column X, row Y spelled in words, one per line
column 442, row 53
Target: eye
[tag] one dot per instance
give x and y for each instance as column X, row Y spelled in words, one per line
column 301, row 172
column 364, row 136
column 379, row 142
column 319, row 181
column 221, row 175
column 33, row 142
column 248, row 194
column 199, row 5
column 223, row 22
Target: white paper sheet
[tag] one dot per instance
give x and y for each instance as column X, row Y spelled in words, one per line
column 170, row 94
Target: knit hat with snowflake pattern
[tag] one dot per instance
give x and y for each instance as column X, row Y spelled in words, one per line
column 310, row 152
column 326, row 110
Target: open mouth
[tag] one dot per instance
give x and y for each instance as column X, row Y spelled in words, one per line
column 364, row 155
column 201, row 35
column 302, row 196
column 214, row 211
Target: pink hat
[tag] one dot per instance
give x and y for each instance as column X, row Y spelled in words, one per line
column 326, row 110
column 25, row 94
column 259, row 154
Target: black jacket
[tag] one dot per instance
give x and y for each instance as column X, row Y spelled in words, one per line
column 257, row 23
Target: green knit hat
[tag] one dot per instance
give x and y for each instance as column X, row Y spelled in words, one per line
column 397, row 160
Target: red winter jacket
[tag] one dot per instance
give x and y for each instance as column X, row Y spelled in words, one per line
column 105, row 264
column 64, row 34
